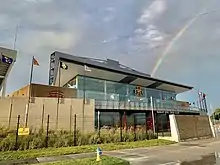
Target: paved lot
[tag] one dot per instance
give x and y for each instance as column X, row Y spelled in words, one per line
column 169, row 155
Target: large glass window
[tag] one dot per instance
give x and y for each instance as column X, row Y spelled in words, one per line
column 138, row 118
column 95, row 95
column 107, row 119
column 90, row 84
column 162, row 122
column 108, row 90
column 121, row 89
column 168, row 95
column 71, row 84
column 110, row 87
column 153, row 93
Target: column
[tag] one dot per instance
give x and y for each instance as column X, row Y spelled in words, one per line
column 105, row 89
column 125, row 120
column 4, row 87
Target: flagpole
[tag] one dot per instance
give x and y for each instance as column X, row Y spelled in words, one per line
column 16, row 36
column 84, row 93
column 59, row 83
column 29, row 94
column 152, row 113
column 31, row 77
column 200, row 105
column 58, row 94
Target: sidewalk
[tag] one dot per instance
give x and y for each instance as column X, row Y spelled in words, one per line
column 191, row 150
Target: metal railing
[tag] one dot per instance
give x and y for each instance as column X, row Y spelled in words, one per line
column 132, row 105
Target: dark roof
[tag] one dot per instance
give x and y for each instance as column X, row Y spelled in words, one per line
column 111, row 65
column 107, row 64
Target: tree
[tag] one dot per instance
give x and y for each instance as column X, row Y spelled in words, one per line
column 216, row 114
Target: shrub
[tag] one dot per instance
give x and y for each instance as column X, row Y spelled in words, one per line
column 5, row 131
column 7, row 143
column 37, row 138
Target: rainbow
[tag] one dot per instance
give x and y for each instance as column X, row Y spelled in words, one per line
column 174, row 40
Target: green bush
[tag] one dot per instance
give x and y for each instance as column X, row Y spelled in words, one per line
column 7, row 143
column 37, row 138
column 4, row 132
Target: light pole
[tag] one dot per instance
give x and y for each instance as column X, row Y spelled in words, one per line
column 86, row 69
column 152, row 113
column 99, row 123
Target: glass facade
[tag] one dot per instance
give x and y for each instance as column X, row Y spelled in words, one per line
column 128, row 119
column 114, row 100
column 107, row 90
column 108, row 119
column 71, row 84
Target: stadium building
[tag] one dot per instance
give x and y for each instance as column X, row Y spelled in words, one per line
column 119, row 91
column 7, row 59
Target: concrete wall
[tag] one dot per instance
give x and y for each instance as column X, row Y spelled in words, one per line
column 185, row 127
column 61, row 115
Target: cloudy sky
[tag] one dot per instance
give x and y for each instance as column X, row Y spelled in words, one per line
column 135, row 32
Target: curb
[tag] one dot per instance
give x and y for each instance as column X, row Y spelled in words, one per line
column 19, row 162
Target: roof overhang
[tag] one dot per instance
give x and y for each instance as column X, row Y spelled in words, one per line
column 7, row 59
column 77, row 68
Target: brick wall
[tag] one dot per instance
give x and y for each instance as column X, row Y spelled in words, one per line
column 40, row 90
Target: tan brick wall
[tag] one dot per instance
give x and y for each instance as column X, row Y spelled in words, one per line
column 23, row 92
column 191, row 127
column 41, row 107
column 40, row 90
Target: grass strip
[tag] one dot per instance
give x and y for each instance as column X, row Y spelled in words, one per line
column 91, row 161
column 46, row 152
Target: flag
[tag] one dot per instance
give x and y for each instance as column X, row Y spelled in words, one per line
column 200, row 95
column 63, row 66
column 86, row 68
column 6, row 59
column 35, row 62
column 204, row 95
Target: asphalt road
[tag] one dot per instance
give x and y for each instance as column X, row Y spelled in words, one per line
column 197, row 152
